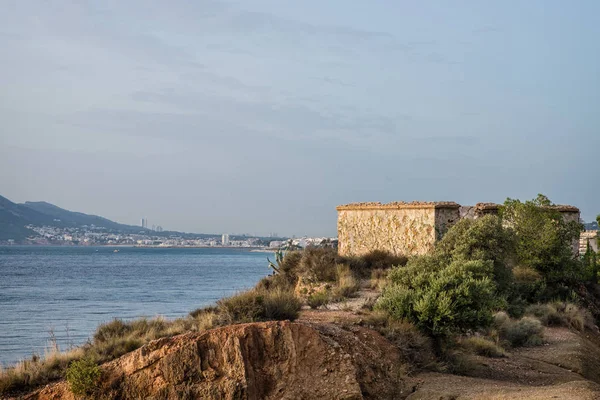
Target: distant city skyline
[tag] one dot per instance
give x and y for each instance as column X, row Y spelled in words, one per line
column 263, row 116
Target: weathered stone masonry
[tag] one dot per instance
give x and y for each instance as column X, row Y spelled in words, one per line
column 400, row 228
column 409, row 228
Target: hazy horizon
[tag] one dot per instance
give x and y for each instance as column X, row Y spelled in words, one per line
column 259, row 117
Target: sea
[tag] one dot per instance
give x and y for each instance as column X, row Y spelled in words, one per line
column 66, row 292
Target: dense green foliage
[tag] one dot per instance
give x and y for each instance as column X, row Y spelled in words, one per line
column 544, row 239
column 591, row 265
column 83, row 376
column 441, row 298
column 521, row 257
column 482, row 239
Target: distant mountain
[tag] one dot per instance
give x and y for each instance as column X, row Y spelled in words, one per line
column 591, row 226
column 14, row 217
column 71, row 218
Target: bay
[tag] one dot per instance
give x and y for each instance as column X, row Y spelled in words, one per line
column 69, row 291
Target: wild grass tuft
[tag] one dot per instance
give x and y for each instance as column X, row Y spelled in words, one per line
column 318, row 299
column 526, row 331
column 482, row 346
column 259, row 305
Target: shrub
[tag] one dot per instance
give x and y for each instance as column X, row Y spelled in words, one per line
column 243, row 307
column 441, row 299
column 347, row 284
column 546, row 313
column 83, row 376
column 481, row 239
column 378, row 278
column 37, row 371
column 281, row 305
column 562, row 314
column 459, row 363
column 575, row 316
column 110, row 330
column 318, row 264
column 524, row 332
column 500, row 318
column 318, row 299
column 482, row 346
column 415, row 347
column 526, row 275
column 259, row 305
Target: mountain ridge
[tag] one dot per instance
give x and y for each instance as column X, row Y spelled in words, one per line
column 15, row 216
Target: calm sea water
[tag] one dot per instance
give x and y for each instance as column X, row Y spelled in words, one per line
column 70, row 290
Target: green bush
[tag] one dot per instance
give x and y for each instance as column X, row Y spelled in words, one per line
column 483, row 239
column 83, row 376
column 441, row 299
column 544, row 242
column 318, row 299
column 526, row 331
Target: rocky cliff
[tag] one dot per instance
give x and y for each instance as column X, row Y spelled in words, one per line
column 270, row 360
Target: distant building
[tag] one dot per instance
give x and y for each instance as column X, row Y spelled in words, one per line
column 225, row 239
column 588, row 238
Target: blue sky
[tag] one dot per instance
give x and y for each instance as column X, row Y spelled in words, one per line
column 262, row 116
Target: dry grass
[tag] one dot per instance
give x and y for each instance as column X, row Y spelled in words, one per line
column 562, row 314
column 116, row 338
column 526, row 275
column 378, row 279
column 259, row 305
column 416, row 348
column 37, row 370
column 526, row 331
column 482, row 346
column 346, row 284
column 318, row 299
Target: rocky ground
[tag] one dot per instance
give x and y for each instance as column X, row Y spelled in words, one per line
column 326, row 354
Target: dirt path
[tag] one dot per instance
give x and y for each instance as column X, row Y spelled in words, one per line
column 567, row 366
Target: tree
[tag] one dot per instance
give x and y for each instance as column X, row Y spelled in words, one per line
column 598, row 235
column 590, row 264
column 544, row 239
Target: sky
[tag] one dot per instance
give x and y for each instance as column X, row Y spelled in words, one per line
column 261, row 117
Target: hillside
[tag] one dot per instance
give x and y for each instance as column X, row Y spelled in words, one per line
column 14, row 217
column 72, row 218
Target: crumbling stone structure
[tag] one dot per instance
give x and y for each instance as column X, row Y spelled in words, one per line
column 410, row 228
column 400, row 228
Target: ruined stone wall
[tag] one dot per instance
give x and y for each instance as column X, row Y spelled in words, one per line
column 400, row 228
column 411, row 228
column 588, row 238
column 444, row 219
column 571, row 214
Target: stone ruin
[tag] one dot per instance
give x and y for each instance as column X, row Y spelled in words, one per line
column 410, row 228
